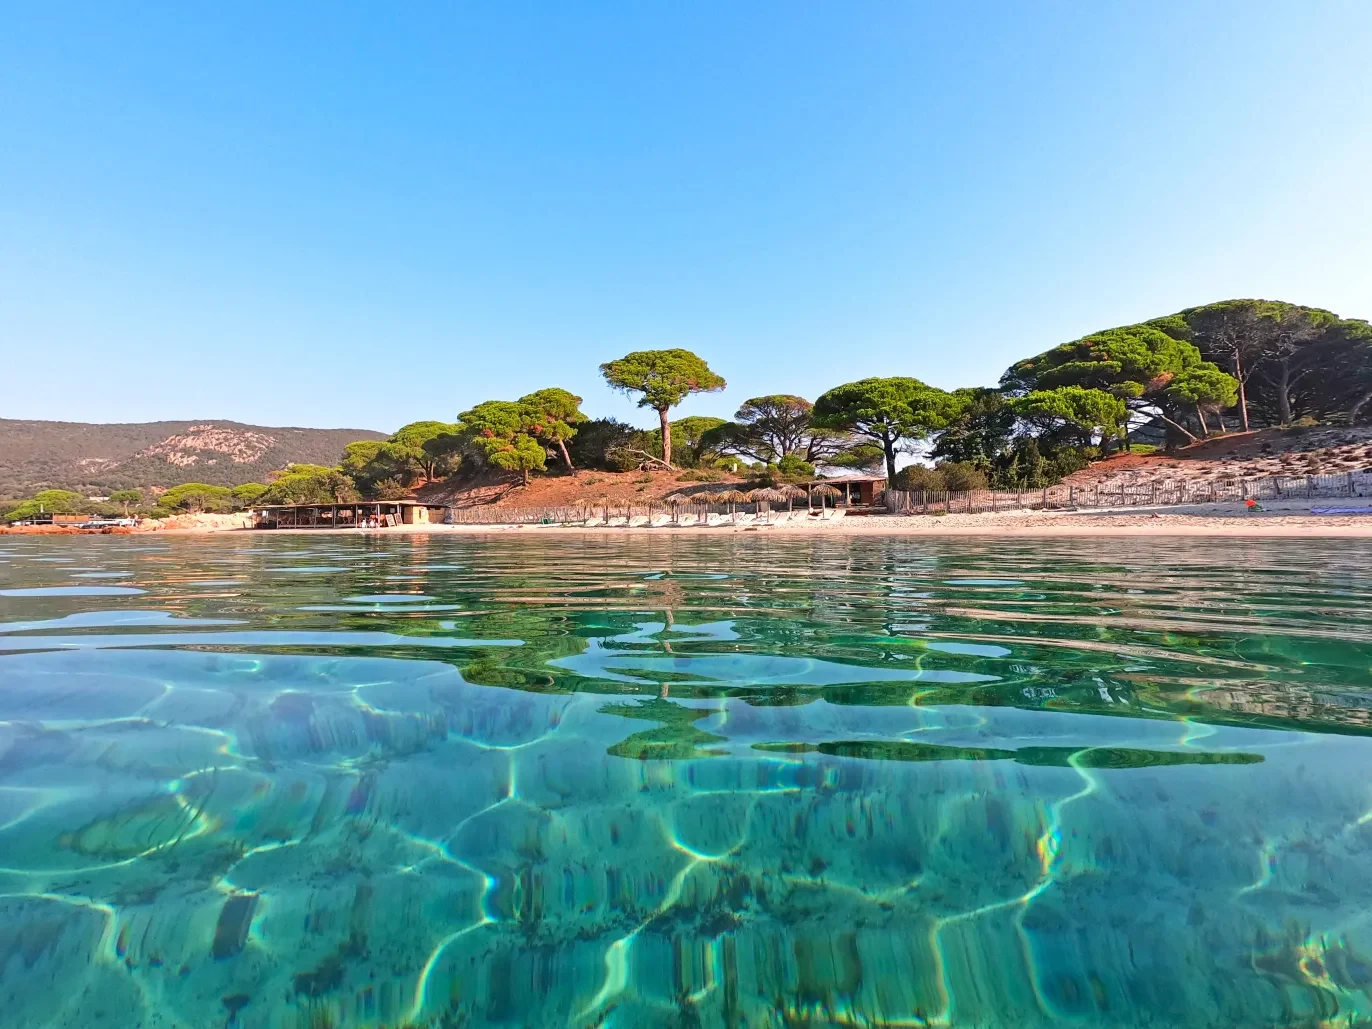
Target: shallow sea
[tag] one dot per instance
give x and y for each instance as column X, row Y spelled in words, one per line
column 356, row 781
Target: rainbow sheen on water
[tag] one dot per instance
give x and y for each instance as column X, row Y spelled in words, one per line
column 299, row 782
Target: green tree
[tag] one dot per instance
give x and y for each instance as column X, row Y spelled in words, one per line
column 695, row 440
column 794, row 468
column 444, row 451
column 597, row 439
column 890, row 412
column 48, row 501
column 367, row 462
column 768, row 428
column 196, row 497
column 1135, row 363
column 1289, row 360
column 554, row 416
column 389, row 489
column 664, row 378
column 1207, row 389
column 523, row 454
column 1083, row 413
column 415, row 443
column 310, row 484
column 981, row 432
column 248, row 494
column 499, row 430
column 1357, row 377
column 125, row 497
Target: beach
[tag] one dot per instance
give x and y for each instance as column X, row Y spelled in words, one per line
column 1283, row 519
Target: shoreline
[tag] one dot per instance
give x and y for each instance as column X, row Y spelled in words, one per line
column 1005, row 525
column 1294, row 519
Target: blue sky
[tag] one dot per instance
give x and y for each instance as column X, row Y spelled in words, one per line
column 363, row 214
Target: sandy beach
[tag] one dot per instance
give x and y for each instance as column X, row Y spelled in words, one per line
column 1286, row 519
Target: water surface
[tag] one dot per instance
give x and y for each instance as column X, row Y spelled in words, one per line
column 359, row 781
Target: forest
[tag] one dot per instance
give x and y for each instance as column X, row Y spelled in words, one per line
column 1220, row 368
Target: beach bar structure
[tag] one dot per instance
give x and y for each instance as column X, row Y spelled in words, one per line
column 341, row 516
column 857, row 489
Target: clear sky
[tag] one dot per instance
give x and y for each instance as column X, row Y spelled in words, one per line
column 362, row 214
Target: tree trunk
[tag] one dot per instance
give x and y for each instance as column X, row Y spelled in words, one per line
column 1284, row 391
column 1180, row 428
column 1200, row 417
column 526, row 476
column 1243, row 390
column 889, row 446
column 666, row 439
column 562, row 445
column 1357, row 408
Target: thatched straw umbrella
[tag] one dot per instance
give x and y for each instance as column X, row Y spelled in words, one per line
column 676, row 500
column 732, row 497
column 789, row 494
column 825, row 490
column 602, row 501
column 767, row 494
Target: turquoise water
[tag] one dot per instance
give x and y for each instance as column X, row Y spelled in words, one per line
column 359, row 781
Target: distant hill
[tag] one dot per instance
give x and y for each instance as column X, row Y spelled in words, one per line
column 98, row 458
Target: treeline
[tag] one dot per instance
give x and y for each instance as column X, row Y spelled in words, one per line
column 1238, row 364
column 1162, row 383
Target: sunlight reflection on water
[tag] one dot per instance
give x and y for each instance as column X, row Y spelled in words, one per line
column 684, row 782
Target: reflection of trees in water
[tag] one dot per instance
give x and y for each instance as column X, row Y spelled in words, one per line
column 1228, row 645
column 1042, row 757
column 676, row 737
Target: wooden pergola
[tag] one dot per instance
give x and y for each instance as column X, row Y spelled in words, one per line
column 860, row 488
column 339, row 516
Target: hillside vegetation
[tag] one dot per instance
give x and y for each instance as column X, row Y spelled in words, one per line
column 1175, row 384
column 92, row 458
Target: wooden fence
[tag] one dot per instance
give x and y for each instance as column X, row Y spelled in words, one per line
column 603, row 514
column 1164, row 493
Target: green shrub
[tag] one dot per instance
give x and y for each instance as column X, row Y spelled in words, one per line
column 700, row 475
column 793, row 467
column 916, row 478
column 961, row 475
column 1065, row 462
column 389, row 489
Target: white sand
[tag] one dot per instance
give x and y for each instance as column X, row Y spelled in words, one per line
column 1289, row 519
